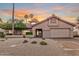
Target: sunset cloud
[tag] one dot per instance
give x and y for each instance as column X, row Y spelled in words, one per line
column 67, row 12
column 58, row 8
column 71, row 19
column 73, row 10
column 39, row 14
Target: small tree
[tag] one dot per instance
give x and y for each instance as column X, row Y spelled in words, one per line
column 20, row 25
column 6, row 26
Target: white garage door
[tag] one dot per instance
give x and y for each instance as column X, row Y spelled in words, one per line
column 46, row 34
column 60, row 33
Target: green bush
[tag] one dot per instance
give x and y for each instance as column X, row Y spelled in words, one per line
column 9, row 33
column 29, row 33
column 34, row 42
column 2, row 40
column 43, row 43
column 2, row 35
column 25, row 41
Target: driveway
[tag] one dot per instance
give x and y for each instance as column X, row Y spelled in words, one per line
column 70, row 46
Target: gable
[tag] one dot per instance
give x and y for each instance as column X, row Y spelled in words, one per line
column 54, row 21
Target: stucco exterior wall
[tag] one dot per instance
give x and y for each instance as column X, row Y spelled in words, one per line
column 46, row 28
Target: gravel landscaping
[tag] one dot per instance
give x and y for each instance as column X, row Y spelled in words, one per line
column 32, row 47
column 16, row 47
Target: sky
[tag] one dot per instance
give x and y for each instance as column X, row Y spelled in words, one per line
column 66, row 11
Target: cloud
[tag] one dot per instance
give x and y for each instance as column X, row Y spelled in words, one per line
column 73, row 10
column 71, row 19
column 58, row 8
column 39, row 14
column 66, row 9
column 21, row 12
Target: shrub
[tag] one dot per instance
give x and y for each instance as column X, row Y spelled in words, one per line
column 2, row 40
column 34, row 42
column 43, row 43
column 9, row 33
column 2, row 35
column 29, row 33
column 25, row 41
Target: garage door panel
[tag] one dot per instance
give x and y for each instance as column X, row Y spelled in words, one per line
column 46, row 34
column 60, row 33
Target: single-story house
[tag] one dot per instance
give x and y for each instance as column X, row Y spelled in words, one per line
column 53, row 27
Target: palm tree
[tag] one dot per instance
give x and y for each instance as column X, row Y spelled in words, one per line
column 31, row 16
column 26, row 16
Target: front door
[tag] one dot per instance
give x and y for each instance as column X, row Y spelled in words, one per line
column 39, row 33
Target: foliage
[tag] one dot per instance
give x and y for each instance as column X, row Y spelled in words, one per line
column 2, row 40
column 25, row 41
column 6, row 26
column 20, row 26
column 43, row 43
column 31, row 15
column 9, row 34
column 34, row 42
column 0, row 19
column 29, row 33
column 2, row 35
column 28, row 16
column 25, row 16
column 17, row 25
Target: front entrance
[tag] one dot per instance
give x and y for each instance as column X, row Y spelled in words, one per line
column 39, row 33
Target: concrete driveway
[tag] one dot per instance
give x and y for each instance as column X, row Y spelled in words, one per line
column 70, row 46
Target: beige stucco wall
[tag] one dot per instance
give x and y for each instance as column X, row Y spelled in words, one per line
column 46, row 28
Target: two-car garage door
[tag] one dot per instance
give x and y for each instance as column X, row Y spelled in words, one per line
column 60, row 32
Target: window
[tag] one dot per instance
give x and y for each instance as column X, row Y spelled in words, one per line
column 53, row 21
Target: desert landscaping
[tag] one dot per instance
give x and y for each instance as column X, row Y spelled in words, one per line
column 54, row 47
column 33, row 29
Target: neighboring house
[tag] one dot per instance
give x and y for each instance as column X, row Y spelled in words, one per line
column 53, row 27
